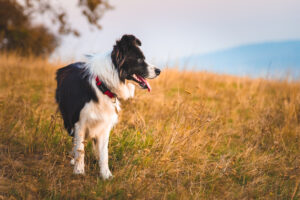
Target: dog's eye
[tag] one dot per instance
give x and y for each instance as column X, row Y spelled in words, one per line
column 140, row 60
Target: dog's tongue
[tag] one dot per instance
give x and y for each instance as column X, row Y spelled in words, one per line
column 144, row 81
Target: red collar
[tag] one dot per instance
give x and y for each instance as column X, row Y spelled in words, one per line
column 104, row 89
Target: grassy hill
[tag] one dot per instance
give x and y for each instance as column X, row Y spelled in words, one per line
column 195, row 136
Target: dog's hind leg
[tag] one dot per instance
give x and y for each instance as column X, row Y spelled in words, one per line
column 79, row 149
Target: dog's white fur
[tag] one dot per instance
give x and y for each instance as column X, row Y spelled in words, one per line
column 151, row 71
column 98, row 118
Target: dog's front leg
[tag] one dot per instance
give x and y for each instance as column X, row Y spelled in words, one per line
column 79, row 149
column 102, row 141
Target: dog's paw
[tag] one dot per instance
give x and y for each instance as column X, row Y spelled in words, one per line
column 78, row 171
column 79, row 168
column 72, row 162
column 106, row 174
column 131, row 89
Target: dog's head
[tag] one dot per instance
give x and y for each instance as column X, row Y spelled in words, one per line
column 130, row 62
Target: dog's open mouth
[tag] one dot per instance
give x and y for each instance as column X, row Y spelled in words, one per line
column 141, row 81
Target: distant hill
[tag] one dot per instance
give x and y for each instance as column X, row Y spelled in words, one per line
column 275, row 59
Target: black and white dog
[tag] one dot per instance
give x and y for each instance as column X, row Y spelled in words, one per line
column 87, row 95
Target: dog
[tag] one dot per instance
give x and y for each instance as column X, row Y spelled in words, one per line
column 88, row 96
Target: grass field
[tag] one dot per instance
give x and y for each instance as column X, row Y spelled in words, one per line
column 195, row 136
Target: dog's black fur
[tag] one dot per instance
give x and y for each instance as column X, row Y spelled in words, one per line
column 72, row 93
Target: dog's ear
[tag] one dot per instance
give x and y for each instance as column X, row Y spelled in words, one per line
column 122, row 74
column 118, row 59
column 119, row 55
column 130, row 40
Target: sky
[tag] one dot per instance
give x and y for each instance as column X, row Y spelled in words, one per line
column 172, row 29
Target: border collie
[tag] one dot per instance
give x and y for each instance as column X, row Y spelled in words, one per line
column 87, row 94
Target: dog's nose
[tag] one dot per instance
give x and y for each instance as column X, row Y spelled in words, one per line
column 157, row 71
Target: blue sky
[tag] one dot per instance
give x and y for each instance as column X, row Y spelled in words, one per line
column 171, row 29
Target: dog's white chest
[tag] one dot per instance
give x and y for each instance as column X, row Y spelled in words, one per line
column 103, row 111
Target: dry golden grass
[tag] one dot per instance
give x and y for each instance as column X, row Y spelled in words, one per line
column 196, row 136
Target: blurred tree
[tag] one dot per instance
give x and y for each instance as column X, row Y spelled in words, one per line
column 17, row 32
